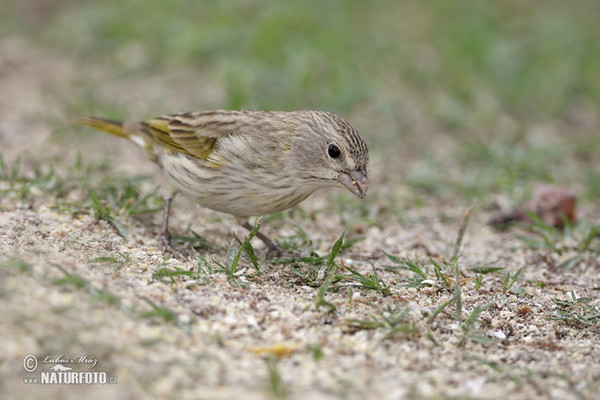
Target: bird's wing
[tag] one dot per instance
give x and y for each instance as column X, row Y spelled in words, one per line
column 198, row 133
column 160, row 131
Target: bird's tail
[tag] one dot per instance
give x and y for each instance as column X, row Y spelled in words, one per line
column 116, row 128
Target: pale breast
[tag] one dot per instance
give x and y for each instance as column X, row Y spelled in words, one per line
column 235, row 189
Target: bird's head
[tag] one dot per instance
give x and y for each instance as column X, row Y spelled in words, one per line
column 329, row 150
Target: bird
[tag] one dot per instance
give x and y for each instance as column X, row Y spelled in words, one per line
column 248, row 163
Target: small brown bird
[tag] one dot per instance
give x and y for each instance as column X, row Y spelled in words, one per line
column 249, row 163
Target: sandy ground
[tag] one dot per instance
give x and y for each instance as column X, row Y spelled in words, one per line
column 267, row 338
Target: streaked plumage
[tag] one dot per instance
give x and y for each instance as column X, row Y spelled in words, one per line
column 250, row 163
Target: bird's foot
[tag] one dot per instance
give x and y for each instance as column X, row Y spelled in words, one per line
column 167, row 247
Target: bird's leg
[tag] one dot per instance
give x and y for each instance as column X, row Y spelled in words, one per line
column 273, row 248
column 165, row 235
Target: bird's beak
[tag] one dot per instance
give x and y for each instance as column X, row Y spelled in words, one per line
column 355, row 181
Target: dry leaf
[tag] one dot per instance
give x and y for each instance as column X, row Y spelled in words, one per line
column 552, row 204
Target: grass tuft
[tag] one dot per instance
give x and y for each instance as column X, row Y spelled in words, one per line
column 158, row 312
column 578, row 311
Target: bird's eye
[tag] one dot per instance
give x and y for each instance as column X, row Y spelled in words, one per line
column 333, row 151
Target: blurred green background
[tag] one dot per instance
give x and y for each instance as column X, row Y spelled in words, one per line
column 468, row 97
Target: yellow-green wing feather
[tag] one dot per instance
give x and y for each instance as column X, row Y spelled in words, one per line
column 158, row 129
column 196, row 138
column 195, row 133
column 199, row 132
